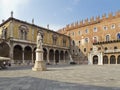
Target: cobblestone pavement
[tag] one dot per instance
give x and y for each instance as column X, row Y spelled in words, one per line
column 61, row 77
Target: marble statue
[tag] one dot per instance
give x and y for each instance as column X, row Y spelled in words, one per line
column 39, row 41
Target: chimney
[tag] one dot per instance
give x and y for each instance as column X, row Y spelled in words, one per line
column 12, row 14
column 48, row 26
column 3, row 21
column 32, row 21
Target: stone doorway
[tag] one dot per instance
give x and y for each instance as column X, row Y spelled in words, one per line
column 112, row 60
column 105, row 59
column 95, row 59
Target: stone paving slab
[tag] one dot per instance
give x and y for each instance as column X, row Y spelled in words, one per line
column 61, row 77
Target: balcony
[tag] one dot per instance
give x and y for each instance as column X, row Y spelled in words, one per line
column 106, row 42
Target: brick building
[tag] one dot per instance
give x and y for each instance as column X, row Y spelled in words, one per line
column 95, row 41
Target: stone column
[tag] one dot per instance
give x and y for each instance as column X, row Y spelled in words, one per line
column 32, row 57
column 11, row 55
column 90, row 61
column 48, row 60
column 116, row 59
column 100, row 59
column 108, row 59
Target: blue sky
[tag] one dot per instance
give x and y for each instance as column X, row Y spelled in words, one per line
column 56, row 13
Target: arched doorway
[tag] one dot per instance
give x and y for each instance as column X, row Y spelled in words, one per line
column 61, row 56
column 34, row 55
column 51, row 55
column 4, row 49
column 112, row 60
column 44, row 54
column 17, row 54
column 118, row 60
column 105, row 59
column 67, row 56
column 95, row 59
column 56, row 56
column 28, row 54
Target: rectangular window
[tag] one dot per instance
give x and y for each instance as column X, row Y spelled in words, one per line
column 95, row 29
column 86, row 31
column 105, row 28
column 113, row 26
column 78, row 32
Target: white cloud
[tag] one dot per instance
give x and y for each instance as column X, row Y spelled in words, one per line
column 6, row 6
column 76, row 1
column 69, row 9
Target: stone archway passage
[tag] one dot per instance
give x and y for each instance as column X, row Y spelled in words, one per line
column 44, row 54
column 4, row 49
column 95, row 59
column 17, row 54
column 51, row 55
column 34, row 55
column 61, row 55
column 67, row 58
column 118, row 60
column 28, row 54
column 56, row 56
column 112, row 60
column 105, row 59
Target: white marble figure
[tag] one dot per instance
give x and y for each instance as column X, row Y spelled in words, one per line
column 39, row 41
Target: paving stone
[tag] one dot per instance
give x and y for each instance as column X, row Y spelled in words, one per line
column 61, row 77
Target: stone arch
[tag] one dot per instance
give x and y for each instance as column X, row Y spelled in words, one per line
column 118, row 60
column 105, row 59
column 51, row 55
column 34, row 54
column 28, row 54
column 4, row 49
column 95, row 59
column 56, row 56
column 67, row 56
column 62, row 55
column 17, row 54
column 45, row 54
column 112, row 59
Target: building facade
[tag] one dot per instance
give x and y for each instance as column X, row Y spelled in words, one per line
column 18, row 42
column 96, row 40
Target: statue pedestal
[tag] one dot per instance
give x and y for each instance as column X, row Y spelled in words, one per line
column 39, row 66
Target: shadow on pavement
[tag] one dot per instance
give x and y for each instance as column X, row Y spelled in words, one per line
column 32, row 83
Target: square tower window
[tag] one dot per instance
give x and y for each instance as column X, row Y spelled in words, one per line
column 95, row 29
column 113, row 26
column 86, row 31
column 105, row 28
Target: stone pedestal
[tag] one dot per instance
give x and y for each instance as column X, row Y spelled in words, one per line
column 39, row 66
column 39, row 63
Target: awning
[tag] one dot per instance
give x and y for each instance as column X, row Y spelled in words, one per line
column 4, row 58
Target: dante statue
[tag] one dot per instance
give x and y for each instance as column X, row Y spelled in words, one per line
column 39, row 41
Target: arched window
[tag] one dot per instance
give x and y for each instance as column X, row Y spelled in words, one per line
column 107, row 37
column 106, row 48
column 86, row 40
column 4, row 33
column 95, row 40
column 23, row 31
column 118, row 36
column 73, row 43
column 115, row 47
